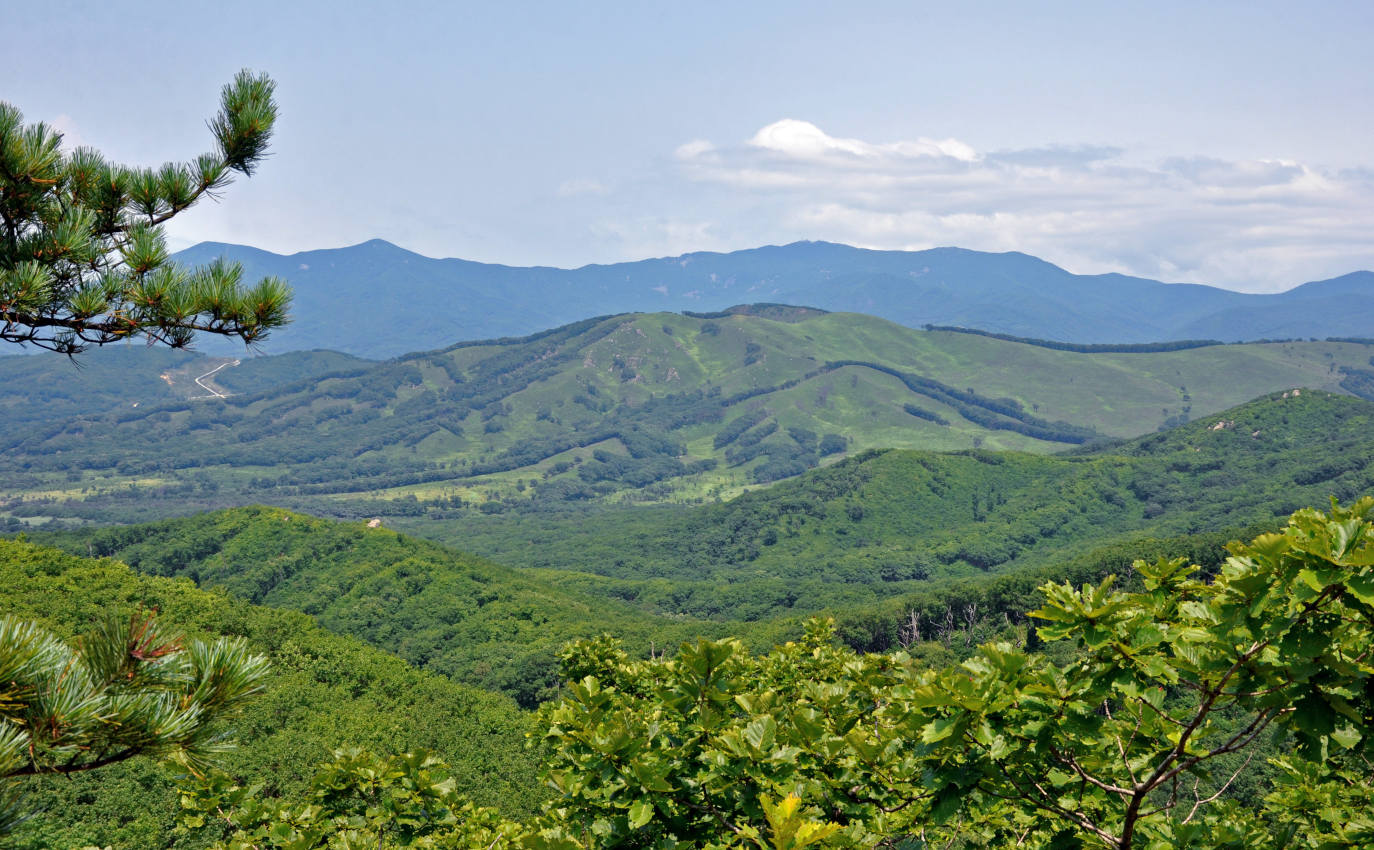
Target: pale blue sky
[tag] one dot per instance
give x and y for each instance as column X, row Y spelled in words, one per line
column 1225, row 143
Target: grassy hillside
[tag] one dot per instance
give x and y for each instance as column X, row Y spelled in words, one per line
column 325, row 691
column 882, row 523
column 630, row 409
column 44, row 391
column 439, row 609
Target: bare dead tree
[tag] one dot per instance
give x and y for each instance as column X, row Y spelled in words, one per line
column 909, row 633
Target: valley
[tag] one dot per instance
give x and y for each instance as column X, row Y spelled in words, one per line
column 871, row 533
column 838, row 427
column 624, row 410
column 445, row 527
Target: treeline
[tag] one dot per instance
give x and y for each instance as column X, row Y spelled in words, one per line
column 1088, row 348
column 1001, row 414
column 922, row 413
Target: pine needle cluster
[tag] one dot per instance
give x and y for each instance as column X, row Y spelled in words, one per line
column 126, row 689
column 83, row 258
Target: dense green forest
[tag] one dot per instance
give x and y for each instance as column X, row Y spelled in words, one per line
column 933, row 556
column 439, row 609
column 325, row 690
column 870, row 540
column 640, row 408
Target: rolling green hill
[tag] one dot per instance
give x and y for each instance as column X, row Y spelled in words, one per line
column 628, row 409
column 875, row 526
column 441, row 610
column 324, row 691
column 882, row 523
column 43, row 391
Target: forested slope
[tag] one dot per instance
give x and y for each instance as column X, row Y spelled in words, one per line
column 880, row 523
column 878, row 526
column 440, row 609
column 324, row 691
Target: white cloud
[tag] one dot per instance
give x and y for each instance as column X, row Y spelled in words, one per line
column 804, row 140
column 693, row 149
column 581, row 186
column 1258, row 225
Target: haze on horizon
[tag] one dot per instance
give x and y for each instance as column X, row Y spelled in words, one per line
column 1225, row 144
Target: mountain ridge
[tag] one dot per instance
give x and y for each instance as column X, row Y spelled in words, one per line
column 377, row 299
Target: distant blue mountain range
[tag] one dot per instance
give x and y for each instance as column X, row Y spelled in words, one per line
column 379, row 300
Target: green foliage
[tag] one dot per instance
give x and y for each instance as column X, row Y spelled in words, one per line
column 1125, row 741
column 691, row 750
column 83, row 259
column 356, row 801
column 323, row 690
column 360, row 800
column 127, row 689
column 445, row 611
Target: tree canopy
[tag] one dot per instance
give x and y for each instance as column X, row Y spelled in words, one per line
column 83, row 258
column 1131, row 729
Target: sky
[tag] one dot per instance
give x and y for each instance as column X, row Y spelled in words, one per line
column 1225, row 143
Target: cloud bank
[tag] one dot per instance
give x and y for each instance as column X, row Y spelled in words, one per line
column 1256, row 225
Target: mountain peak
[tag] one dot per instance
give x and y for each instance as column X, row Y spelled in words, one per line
column 372, row 247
